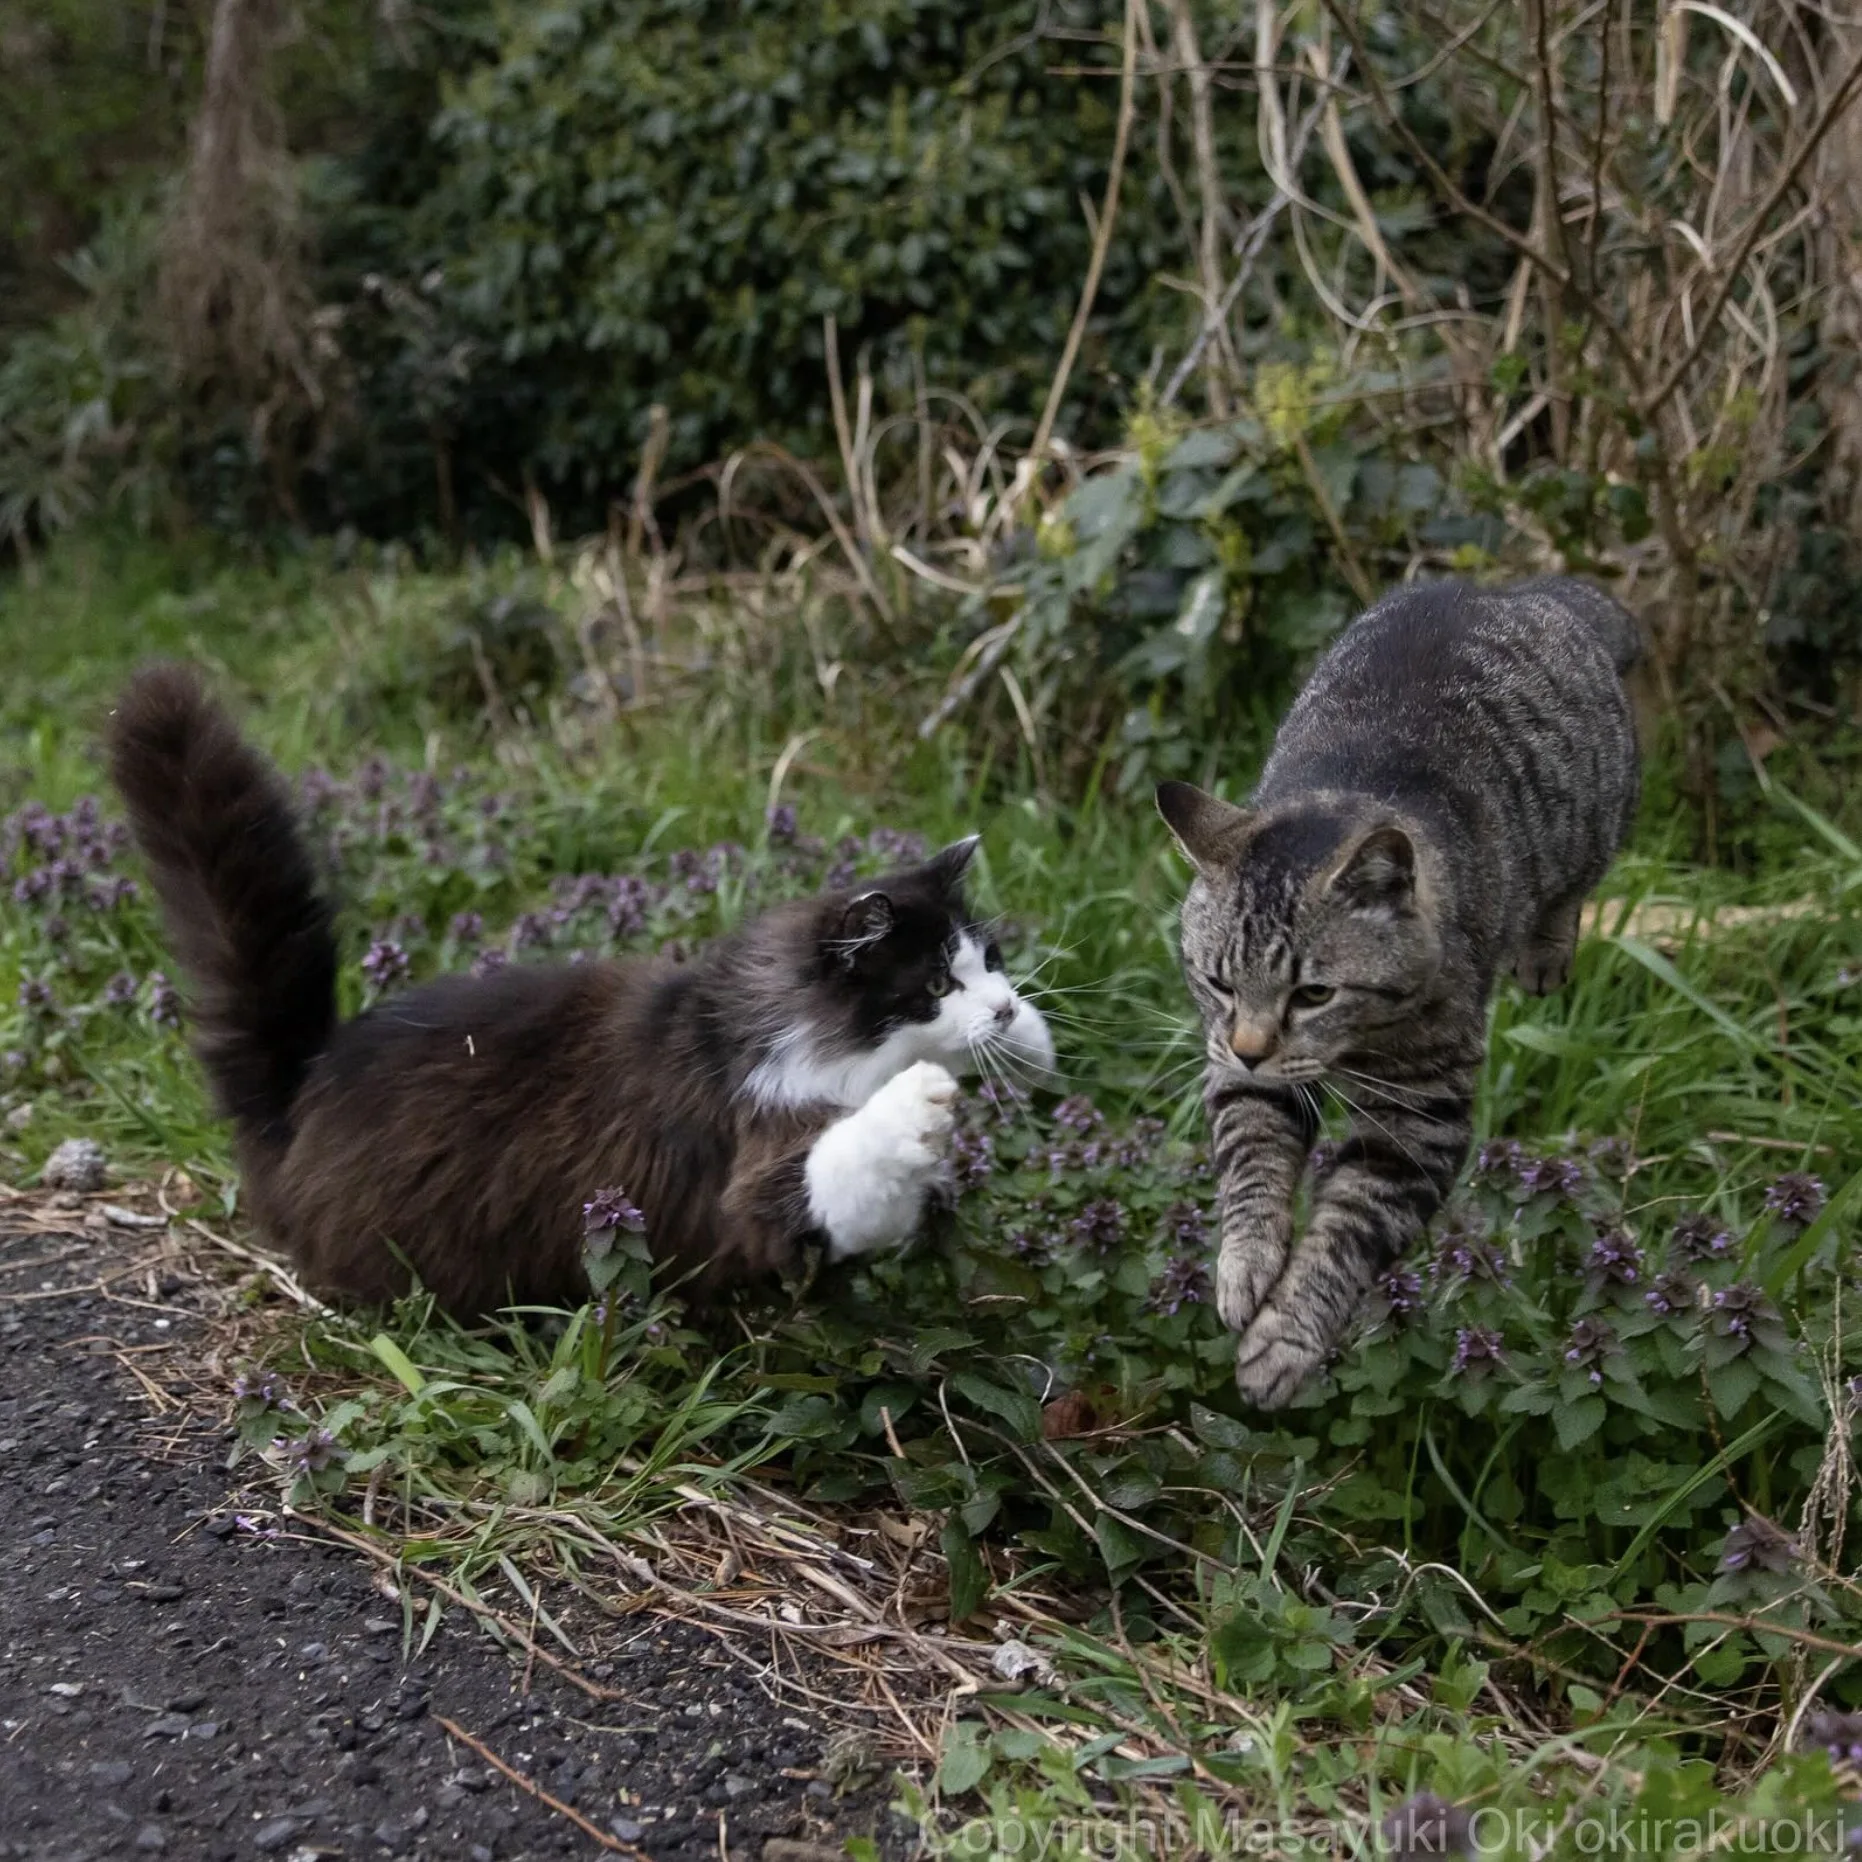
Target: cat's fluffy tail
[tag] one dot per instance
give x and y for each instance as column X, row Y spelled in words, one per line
column 1607, row 617
column 247, row 922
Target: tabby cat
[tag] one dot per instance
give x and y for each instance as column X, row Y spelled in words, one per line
column 793, row 1080
column 1455, row 777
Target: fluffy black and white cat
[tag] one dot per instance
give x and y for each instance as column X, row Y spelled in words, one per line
column 793, row 1080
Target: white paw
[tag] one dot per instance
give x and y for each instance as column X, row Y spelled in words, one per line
column 1274, row 1359
column 868, row 1173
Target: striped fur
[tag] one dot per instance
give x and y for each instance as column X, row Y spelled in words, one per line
column 1455, row 778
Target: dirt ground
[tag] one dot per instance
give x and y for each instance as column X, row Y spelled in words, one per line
column 179, row 1678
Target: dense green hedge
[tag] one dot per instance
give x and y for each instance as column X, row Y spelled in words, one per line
column 632, row 201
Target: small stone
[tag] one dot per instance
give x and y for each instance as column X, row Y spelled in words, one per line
column 77, row 1164
column 380, row 1626
column 449, row 1797
column 165, row 1593
column 204, row 1729
column 314, row 1652
column 66, row 1690
column 112, row 1773
column 222, row 1528
column 480, row 1852
column 274, row 1835
column 169, row 1726
column 736, row 1785
column 151, row 1839
column 185, row 1703
column 19, row 1118
column 468, row 1780
column 626, row 1829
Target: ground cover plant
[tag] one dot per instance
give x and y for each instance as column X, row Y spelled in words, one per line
column 1562, row 1534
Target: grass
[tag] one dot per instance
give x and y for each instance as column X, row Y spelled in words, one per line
column 1543, row 1590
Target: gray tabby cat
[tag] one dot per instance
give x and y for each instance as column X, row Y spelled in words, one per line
column 1457, row 774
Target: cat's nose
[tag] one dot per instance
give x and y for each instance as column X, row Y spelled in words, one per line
column 1005, row 1013
column 1251, row 1042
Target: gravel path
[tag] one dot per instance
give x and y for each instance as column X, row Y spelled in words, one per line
column 173, row 1682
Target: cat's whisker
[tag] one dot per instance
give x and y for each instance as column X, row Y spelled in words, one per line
column 1371, row 1117
column 1388, row 1088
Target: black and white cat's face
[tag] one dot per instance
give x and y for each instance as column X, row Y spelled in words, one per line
column 894, row 973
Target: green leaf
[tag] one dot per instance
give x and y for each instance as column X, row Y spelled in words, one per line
column 969, row 1578
column 1578, row 1422
column 403, row 1369
column 1014, row 1407
column 964, row 1763
column 1732, row 1387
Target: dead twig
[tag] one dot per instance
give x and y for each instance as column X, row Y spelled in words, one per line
column 529, row 1785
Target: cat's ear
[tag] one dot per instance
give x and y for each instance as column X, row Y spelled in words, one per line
column 948, row 865
column 865, row 920
column 1211, row 831
column 1378, row 869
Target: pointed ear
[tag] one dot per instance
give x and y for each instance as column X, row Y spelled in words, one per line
column 864, row 920
column 949, row 864
column 1378, row 869
column 1212, row 832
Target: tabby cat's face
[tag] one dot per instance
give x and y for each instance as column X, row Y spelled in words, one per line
column 1305, row 940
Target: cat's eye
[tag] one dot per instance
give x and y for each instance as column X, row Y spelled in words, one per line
column 992, row 955
column 940, row 985
column 1312, row 995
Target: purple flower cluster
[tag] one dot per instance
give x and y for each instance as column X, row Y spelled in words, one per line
column 1698, row 1237
column 54, row 857
column 1099, row 1227
column 1402, row 1291
column 1078, row 1114
column 1672, row 1293
column 1839, row 1734
column 612, row 1209
column 1556, row 1176
column 1757, row 1544
column 164, row 1001
column 1464, row 1257
column 1796, row 1198
column 1614, row 1259
column 265, row 1388
column 1184, row 1282
column 1186, row 1228
column 972, row 1158
column 1738, row 1308
column 307, row 1454
column 385, row 964
column 1478, row 1349
column 1591, row 1341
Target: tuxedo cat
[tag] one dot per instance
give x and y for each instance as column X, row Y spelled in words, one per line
column 794, row 1079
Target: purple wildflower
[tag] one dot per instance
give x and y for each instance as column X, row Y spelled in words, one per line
column 12, row 1061
column 1499, row 1158
column 1736, row 1309
column 1099, row 1227
column 164, row 1001
column 609, row 1209
column 1591, row 1341
column 307, row 1454
column 1186, row 1227
column 1465, row 1257
column 261, row 1387
column 119, row 991
column 1078, row 1114
column 385, row 964
column 488, row 962
column 895, row 847
column 466, row 928
column 1796, row 1198
column 1671, row 1293
column 1613, row 1157
column 35, row 996
column 1322, row 1157
column 532, row 931
column 1757, row 1542
column 1426, row 1828
column 972, row 1158
column 1614, row 1259
column 1478, row 1349
column 779, row 824
column 1698, row 1237
column 107, row 894
column 1401, row 1288
column 1184, row 1282
column 1839, row 1734
column 32, row 886
column 1560, row 1176
column 57, row 928
column 1135, row 1148
column 1037, row 1249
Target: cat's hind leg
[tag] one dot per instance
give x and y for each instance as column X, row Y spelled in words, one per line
column 1545, row 962
column 868, row 1174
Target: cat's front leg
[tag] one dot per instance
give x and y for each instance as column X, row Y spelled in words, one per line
column 1388, row 1178
column 1259, row 1141
column 868, row 1174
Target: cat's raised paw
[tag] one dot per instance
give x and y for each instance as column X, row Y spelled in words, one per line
column 869, row 1172
column 1273, row 1360
column 1245, row 1273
